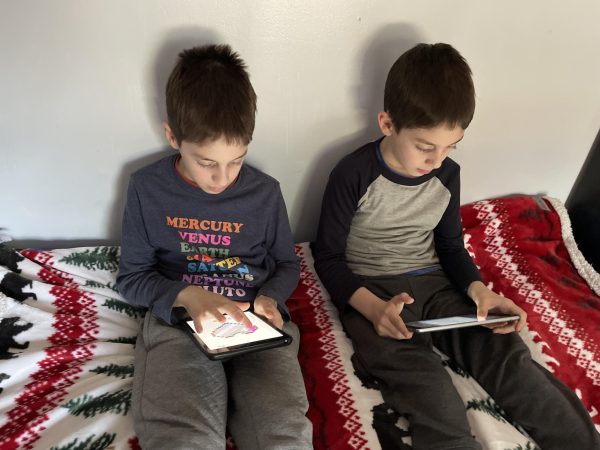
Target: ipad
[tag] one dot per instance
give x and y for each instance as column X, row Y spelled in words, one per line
column 448, row 323
column 224, row 340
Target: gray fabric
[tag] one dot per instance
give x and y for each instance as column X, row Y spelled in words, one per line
column 392, row 229
column 268, row 399
column 414, row 382
column 180, row 397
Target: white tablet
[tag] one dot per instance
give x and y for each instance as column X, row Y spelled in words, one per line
column 223, row 340
column 448, row 323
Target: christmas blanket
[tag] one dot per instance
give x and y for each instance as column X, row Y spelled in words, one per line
column 525, row 250
column 67, row 339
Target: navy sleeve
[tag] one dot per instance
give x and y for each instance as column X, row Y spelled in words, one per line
column 138, row 280
column 340, row 202
column 280, row 247
column 448, row 238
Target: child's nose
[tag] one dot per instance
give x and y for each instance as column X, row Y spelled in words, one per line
column 433, row 162
column 220, row 176
column 436, row 159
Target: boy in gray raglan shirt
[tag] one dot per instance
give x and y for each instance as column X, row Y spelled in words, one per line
column 389, row 250
column 206, row 235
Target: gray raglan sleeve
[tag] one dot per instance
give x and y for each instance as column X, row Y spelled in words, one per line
column 139, row 281
column 280, row 247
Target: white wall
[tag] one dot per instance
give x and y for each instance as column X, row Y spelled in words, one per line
column 82, row 83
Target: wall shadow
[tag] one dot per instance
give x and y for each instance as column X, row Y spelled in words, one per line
column 375, row 60
column 158, row 71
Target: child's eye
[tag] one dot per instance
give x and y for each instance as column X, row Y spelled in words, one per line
column 205, row 164
column 426, row 150
column 236, row 163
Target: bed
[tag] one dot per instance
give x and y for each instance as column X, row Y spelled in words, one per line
column 67, row 339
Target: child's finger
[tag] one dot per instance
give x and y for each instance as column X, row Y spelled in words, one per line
column 392, row 332
column 482, row 313
column 244, row 306
column 508, row 328
column 402, row 298
column 198, row 326
column 238, row 315
column 399, row 325
column 218, row 316
column 522, row 320
column 277, row 322
column 492, row 326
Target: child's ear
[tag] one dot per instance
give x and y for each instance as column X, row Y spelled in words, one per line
column 385, row 123
column 171, row 139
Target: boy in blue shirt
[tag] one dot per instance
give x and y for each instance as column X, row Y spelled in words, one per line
column 206, row 235
column 389, row 250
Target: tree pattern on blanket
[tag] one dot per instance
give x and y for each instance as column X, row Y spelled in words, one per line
column 118, row 402
column 528, row 446
column 124, row 340
column 488, row 406
column 124, row 307
column 100, row 258
column 91, row 443
column 95, row 284
column 115, row 370
column 60, row 313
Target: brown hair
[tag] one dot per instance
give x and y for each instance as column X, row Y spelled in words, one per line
column 430, row 85
column 209, row 95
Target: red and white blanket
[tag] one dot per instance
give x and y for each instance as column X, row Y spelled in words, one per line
column 67, row 337
column 525, row 249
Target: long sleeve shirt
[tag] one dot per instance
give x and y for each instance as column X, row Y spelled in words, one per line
column 237, row 243
column 376, row 222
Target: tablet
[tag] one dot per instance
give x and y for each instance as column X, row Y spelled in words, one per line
column 448, row 323
column 224, row 340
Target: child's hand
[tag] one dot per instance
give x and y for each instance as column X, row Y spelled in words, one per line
column 203, row 306
column 386, row 318
column 267, row 307
column 488, row 301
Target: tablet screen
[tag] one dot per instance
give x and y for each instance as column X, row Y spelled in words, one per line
column 217, row 335
column 446, row 323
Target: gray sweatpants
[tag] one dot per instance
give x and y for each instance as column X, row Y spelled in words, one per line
column 183, row 400
column 414, row 382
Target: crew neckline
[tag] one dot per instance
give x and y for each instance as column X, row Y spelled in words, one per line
column 396, row 176
column 181, row 180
